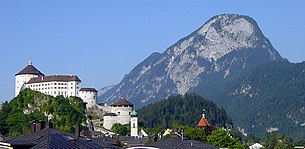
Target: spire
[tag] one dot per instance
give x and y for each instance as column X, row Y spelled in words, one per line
column 133, row 113
column 203, row 113
column 30, row 62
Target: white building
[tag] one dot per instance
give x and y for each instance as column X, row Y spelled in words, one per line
column 65, row 85
column 120, row 112
column 89, row 95
column 134, row 124
column 22, row 77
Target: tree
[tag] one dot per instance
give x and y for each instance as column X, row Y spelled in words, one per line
column 120, row 129
column 275, row 140
column 222, row 138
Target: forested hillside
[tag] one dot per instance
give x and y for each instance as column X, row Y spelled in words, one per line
column 270, row 98
column 16, row 115
column 186, row 109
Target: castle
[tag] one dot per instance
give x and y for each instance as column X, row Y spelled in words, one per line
column 121, row 112
column 55, row 85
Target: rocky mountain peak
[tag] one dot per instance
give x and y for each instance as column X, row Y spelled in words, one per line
column 222, row 34
column 223, row 49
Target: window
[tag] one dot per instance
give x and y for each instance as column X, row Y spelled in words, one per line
column 133, row 125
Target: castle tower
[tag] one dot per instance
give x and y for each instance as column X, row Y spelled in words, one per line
column 89, row 95
column 134, row 124
column 22, row 77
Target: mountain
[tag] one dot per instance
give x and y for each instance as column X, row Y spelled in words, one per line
column 207, row 61
column 269, row 98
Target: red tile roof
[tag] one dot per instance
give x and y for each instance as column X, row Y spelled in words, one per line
column 203, row 123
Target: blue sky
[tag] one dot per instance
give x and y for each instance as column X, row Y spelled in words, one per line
column 101, row 41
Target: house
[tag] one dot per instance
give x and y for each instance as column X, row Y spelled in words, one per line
column 47, row 137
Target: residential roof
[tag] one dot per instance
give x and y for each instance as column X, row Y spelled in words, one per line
column 60, row 78
column 88, row 89
column 30, row 69
column 110, row 114
column 133, row 141
column 178, row 143
column 203, row 123
column 122, row 102
column 51, row 138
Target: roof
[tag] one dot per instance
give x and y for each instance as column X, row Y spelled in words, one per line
column 30, row 69
column 203, row 123
column 110, row 114
column 122, row 102
column 88, row 89
column 178, row 143
column 60, row 78
column 51, row 138
column 133, row 141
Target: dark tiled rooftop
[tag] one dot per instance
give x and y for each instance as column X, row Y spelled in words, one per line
column 122, row 102
column 63, row 78
column 30, row 69
column 88, row 89
column 51, row 138
column 177, row 143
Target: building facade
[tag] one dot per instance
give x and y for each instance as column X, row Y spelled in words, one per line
column 120, row 112
column 89, row 95
column 55, row 85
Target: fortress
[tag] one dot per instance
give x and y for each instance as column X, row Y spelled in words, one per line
column 55, row 85
column 121, row 112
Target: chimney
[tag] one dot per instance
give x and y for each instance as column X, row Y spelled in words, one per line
column 36, row 125
column 49, row 125
column 32, row 126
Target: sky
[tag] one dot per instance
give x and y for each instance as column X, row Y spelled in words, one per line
column 101, row 41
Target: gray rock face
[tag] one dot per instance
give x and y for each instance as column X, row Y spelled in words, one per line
column 205, row 62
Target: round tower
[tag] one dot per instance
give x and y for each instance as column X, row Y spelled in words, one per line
column 122, row 108
column 89, row 95
column 22, row 77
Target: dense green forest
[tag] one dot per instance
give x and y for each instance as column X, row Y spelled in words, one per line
column 16, row 115
column 271, row 96
column 186, row 109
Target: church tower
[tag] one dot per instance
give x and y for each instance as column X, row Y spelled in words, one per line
column 22, row 77
column 134, row 124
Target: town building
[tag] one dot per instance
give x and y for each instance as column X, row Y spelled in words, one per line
column 54, row 85
column 43, row 136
